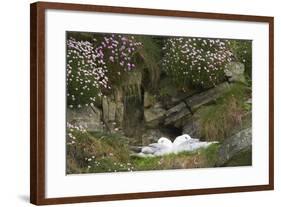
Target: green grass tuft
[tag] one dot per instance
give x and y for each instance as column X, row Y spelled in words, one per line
column 211, row 154
column 217, row 121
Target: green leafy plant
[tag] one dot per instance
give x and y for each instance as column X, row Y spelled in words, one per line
column 217, row 121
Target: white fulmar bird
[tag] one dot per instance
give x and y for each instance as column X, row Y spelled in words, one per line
column 183, row 143
column 163, row 146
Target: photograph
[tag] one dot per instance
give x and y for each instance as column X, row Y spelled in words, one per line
column 122, row 99
column 144, row 102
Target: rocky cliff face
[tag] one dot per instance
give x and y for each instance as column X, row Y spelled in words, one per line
column 89, row 117
column 144, row 116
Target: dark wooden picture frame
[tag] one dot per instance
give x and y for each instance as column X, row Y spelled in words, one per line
column 37, row 102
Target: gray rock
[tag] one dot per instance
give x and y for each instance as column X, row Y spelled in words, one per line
column 88, row 117
column 235, row 72
column 191, row 127
column 205, row 97
column 192, row 103
column 132, row 83
column 176, row 109
column 149, row 100
column 119, row 113
column 109, row 109
column 154, row 115
column 234, row 145
column 172, row 118
column 243, row 158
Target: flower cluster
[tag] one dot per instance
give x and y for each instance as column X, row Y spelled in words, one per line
column 120, row 51
column 71, row 129
column 92, row 67
column 196, row 62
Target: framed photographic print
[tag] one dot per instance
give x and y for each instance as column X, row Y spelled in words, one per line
column 130, row 103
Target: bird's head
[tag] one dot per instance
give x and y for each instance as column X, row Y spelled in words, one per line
column 187, row 137
column 165, row 141
column 181, row 139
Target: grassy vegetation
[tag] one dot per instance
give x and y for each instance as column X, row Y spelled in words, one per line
column 99, row 152
column 96, row 152
column 217, row 121
column 184, row 160
column 211, row 154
